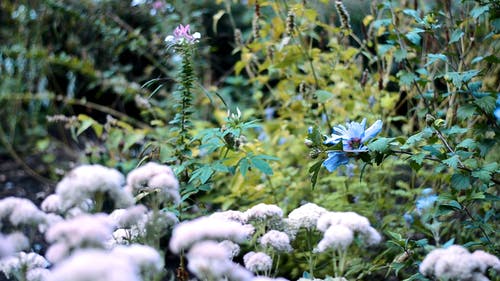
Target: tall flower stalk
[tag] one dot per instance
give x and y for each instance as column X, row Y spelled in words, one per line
column 183, row 43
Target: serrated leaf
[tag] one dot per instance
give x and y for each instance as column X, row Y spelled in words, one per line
column 466, row 111
column 382, row 49
column 460, row 181
column 487, row 103
column 406, row 78
column 455, row 130
column 413, row 13
column 413, row 36
column 380, row 145
column 452, row 161
column 456, row 35
column 435, row 57
column 483, row 175
column 467, row 143
column 400, row 55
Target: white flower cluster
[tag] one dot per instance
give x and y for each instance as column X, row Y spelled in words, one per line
column 339, row 229
column 264, row 212
column 13, row 242
column 30, row 264
column 277, row 240
column 209, row 260
column 258, row 262
column 136, row 221
column 84, row 183
column 153, row 177
column 306, row 216
column 188, row 233
column 457, row 263
column 20, row 212
column 85, row 231
column 123, row 263
column 232, row 215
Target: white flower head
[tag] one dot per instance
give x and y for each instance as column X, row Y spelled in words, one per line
column 238, row 216
column 82, row 231
column 20, row 212
column 454, row 263
column 22, row 262
column 6, row 247
column 52, row 204
column 187, row 233
column 231, row 247
column 84, row 182
column 153, row 177
column 336, row 237
column 125, row 218
column 277, row 240
column 16, row 241
column 211, row 260
column 37, row 274
column 306, row 216
column 487, row 260
column 146, row 258
column 258, row 262
column 95, row 265
column 264, row 212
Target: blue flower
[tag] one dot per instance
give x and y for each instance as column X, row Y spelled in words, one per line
column 425, row 203
column 334, row 160
column 497, row 109
column 354, row 135
column 408, row 218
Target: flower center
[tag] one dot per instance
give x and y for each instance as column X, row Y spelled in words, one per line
column 354, row 143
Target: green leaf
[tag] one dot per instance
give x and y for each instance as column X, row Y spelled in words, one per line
column 467, row 143
column 86, row 123
column 414, row 36
column 456, row 35
column 261, row 165
column 382, row 49
column 478, row 11
column 466, row 111
column 460, row 182
column 400, row 55
column 323, row 95
column 452, row 161
column 487, row 103
column 413, row 13
column 406, row 78
column 314, row 170
column 203, row 174
column 435, row 57
column 380, row 145
column 483, row 175
column 244, row 165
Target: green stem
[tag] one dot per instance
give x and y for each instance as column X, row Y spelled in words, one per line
column 310, row 248
column 99, row 201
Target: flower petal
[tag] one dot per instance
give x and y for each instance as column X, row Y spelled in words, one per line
column 372, row 131
column 334, row 160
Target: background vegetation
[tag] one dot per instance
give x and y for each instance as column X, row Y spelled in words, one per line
column 93, row 82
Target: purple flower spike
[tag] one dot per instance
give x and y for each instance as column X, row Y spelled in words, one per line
column 182, row 35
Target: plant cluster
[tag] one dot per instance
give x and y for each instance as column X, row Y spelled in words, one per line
column 347, row 141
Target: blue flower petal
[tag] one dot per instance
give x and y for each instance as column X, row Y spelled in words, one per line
column 334, row 160
column 333, row 139
column 372, row 131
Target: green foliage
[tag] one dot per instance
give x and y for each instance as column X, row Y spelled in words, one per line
column 429, row 72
